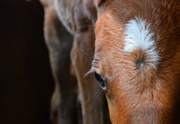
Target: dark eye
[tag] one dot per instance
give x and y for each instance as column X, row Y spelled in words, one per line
column 100, row 80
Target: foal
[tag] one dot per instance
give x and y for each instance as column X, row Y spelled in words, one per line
column 137, row 59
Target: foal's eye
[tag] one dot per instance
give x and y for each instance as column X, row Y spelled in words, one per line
column 100, row 80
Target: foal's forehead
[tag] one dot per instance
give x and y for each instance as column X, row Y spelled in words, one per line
column 137, row 33
column 128, row 46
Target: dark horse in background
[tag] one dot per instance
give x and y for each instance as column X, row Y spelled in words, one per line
column 69, row 35
column 133, row 49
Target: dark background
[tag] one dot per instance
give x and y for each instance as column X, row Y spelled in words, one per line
column 26, row 83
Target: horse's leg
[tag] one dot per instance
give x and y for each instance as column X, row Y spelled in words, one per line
column 82, row 54
column 59, row 43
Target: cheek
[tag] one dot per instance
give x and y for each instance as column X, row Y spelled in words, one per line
column 113, row 112
column 117, row 104
column 113, row 105
column 111, row 108
column 118, row 114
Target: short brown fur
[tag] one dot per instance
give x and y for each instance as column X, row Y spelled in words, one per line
column 141, row 95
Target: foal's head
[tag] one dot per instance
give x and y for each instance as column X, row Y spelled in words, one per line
column 136, row 61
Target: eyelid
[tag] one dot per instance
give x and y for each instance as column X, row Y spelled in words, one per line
column 96, row 66
column 92, row 70
column 97, row 70
column 103, row 75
